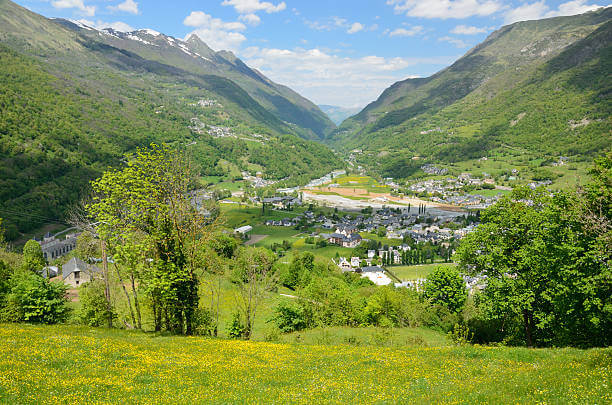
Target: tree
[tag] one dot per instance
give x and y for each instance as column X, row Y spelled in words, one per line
column 547, row 267
column 150, row 225
column 255, row 276
column 33, row 258
column 446, row 287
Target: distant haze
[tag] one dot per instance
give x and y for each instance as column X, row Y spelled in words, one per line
column 339, row 114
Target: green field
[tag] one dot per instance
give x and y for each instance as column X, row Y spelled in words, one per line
column 408, row 273
column 78, row 365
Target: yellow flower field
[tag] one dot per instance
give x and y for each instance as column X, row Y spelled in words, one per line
column 67, row 364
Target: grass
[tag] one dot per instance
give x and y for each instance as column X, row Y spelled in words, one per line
column 408, row 273
column 68, row 364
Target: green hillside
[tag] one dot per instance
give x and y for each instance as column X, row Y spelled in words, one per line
column 71, row 105
column 43, row 364
column 536, row 89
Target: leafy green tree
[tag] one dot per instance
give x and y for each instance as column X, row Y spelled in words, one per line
column 147, row 219
column 445, row 286
column 255, row 275
column 33, row 258
column 94, row 310
column 548, row 266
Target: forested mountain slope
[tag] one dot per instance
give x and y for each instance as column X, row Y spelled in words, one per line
column 542, row 87
column 72, row 105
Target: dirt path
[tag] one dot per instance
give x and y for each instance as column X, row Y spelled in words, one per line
column 254, row 239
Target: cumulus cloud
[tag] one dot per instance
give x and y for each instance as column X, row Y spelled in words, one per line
column 251, row 19
column 100, row 25
column 539, row 9
column 468, row 30
column 218, row 34
column 327, row 78
column 446, row 8
column 355, row 27
column 252, row 6
column 406, row 32
column 128, row 6
column 89, row 11
column 459, row 43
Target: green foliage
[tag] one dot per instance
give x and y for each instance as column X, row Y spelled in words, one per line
column 33, row 259
column 94, row 309
column 461, row 335
column 35, row 300
column 236, row 329
column 291, row 318
column 511, row 94
column 547, row 261
column 445, row 286
column 299, row 271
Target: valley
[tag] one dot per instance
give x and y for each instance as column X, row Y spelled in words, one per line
column 177, row 226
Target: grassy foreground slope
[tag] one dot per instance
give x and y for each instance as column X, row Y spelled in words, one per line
column 81, row 365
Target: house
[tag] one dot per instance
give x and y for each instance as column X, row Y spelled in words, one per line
column 243, row 230
column 344, row 264
column 76, row 272
column 355, row 261
column 53, row 248
column 350, row 241
column 371, row 254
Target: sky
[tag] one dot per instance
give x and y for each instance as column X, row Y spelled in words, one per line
column 335, row 52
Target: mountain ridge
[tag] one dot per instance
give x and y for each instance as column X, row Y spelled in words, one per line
column 446, row 115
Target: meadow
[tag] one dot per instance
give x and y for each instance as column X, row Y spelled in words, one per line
column 69, row 364
column 407, row 273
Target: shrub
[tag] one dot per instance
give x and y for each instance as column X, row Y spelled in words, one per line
column 94, row 308
column 236, row 329
column 291, row 318
column 34, row 299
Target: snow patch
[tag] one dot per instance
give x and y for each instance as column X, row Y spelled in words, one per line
column 151, row 32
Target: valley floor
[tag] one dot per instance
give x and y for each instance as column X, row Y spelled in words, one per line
column 68, row 364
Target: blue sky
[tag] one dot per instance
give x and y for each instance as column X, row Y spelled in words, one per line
column 338, row 52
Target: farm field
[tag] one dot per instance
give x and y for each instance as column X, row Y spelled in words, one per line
column 112, row 366
column 408, row 273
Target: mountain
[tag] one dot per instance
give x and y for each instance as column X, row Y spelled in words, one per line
column 534, row 89
column 338, row 114
column 74, row 100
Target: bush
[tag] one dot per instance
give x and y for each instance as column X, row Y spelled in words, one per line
column 36, row 300
column 290, row 318
column 236, row 329
column 94, row 308
column 204, row 323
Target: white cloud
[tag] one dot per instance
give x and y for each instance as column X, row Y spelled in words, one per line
column 89, row 11
column 446, row 8
column 403, row 32
column 468, row 30
column 328, row 78
column 128, row 6
column 459, row 43
column 540, row 9
column 355, row 27
column 252, row 6
column 251, row 19
column 99, row 25
column 218, row 34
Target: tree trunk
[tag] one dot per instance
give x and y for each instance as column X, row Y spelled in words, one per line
column 127, row 295
column 526, row 320
column 106, row 283
column 136, row 303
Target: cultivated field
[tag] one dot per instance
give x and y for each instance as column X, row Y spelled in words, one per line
column 77, row 365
